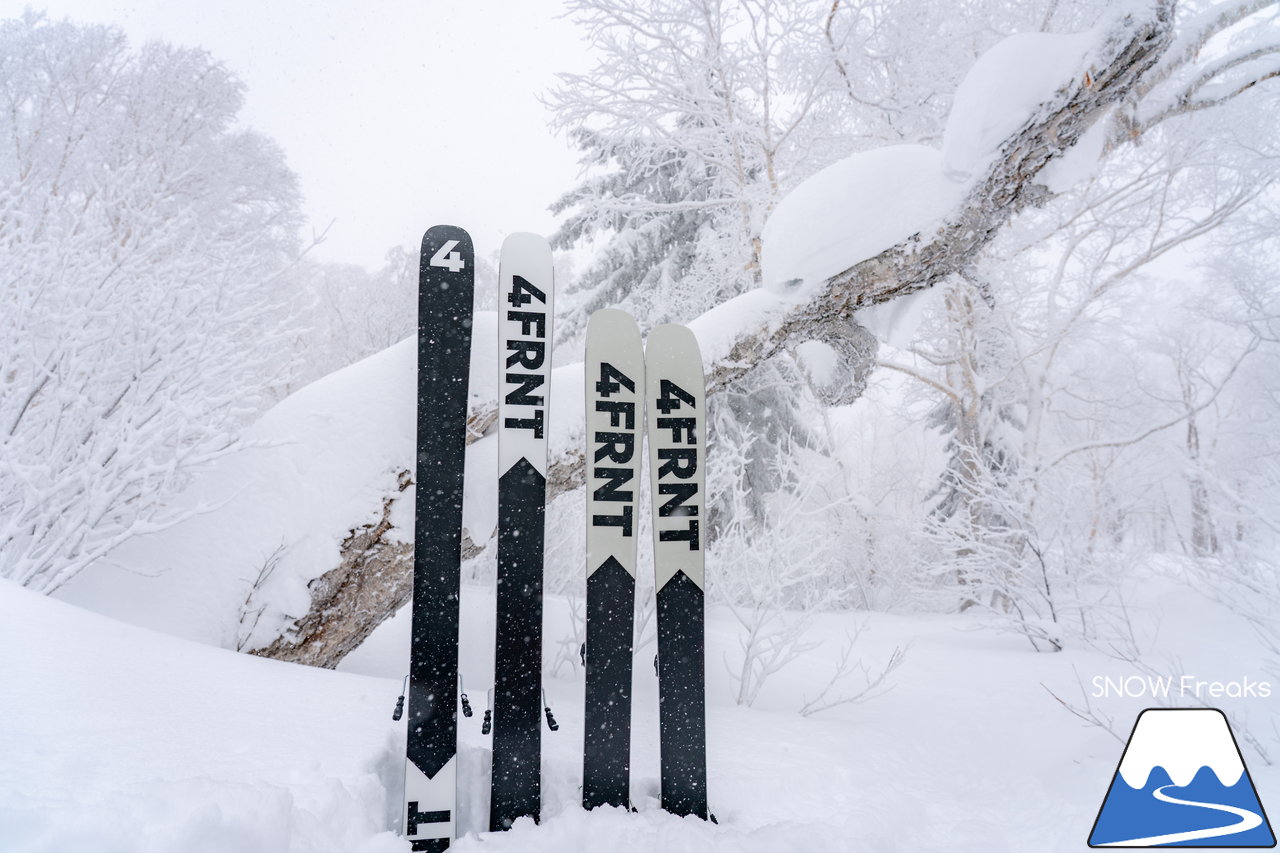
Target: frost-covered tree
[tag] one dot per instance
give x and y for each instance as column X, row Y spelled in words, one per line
column 694, row 113
column 1067, row 227
column 142, row 236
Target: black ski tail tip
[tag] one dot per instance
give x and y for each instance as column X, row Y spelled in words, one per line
column 711, row 816
column 429, row 845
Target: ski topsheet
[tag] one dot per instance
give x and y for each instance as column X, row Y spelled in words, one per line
column 677, row 461
column 525, row 332
column 614, row 378
column 445, row 285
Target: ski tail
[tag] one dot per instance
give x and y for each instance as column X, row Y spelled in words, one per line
column 446, row 280
column 614, row 380
column 525, row 329
column 676, row 403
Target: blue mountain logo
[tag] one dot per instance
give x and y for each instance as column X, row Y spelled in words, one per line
column 1182, row 783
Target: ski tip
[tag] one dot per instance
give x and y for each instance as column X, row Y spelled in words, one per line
column 526, row 244
column 438, row 233
column 674, row 337
column 613, row 324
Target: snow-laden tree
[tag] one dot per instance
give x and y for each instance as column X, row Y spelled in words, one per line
column 1062, row 227
column 142, row 234
column 688, row 123
column 1108, row 357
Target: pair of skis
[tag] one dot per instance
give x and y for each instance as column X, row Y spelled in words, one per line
column 446, row 283
column 623, row 385
column 673, row 398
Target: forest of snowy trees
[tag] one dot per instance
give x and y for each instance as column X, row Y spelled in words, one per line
column 1074, row 369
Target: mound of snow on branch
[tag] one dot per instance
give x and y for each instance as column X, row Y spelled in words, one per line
column 1004, row 90
column 853, row 210
column 857, row 207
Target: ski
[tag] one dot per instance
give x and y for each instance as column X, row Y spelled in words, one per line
column 675, row 401
column 614, row 379
column 446, row 277
column 526, row 301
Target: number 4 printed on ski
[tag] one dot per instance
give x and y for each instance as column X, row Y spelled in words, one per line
column 446, row 257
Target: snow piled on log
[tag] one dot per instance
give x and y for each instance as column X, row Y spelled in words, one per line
column 1004, row 90
column 853, row 210
column 864, row 204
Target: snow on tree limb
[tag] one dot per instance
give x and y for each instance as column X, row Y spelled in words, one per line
column 1132, row 48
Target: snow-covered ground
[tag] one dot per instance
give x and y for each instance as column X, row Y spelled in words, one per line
column 117, row 738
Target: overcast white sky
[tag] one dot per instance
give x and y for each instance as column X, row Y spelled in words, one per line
column 397, row 115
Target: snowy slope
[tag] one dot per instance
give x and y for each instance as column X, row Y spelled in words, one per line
column 120, row 739
column 115, row 738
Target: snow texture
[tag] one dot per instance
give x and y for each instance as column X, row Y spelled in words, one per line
column 861, row 205
column 1004, row 90
column 120, row 739
column 853, row 210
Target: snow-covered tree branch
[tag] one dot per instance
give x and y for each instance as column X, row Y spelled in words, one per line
column 992, row 179
column 142, row 237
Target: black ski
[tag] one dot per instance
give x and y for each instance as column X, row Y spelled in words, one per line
column 525, row 331
column 445, row 285
column 614, row 373
column 677, row 464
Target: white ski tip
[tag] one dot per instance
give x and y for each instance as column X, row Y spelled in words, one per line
column 526, row 244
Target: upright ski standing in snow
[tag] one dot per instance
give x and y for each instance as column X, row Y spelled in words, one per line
column 523, row 404
column 614, row 378
column 445, row 284
column 677, row 464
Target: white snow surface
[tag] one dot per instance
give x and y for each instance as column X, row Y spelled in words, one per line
column 853, row 210
column 1005, row 89
column 116, row 739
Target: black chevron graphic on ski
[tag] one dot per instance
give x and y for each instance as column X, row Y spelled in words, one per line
column 607, row 721
column 682, row 700
column 444, row 353
column 517, row 708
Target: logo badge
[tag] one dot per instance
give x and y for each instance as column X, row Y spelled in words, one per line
column 1181, row 782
